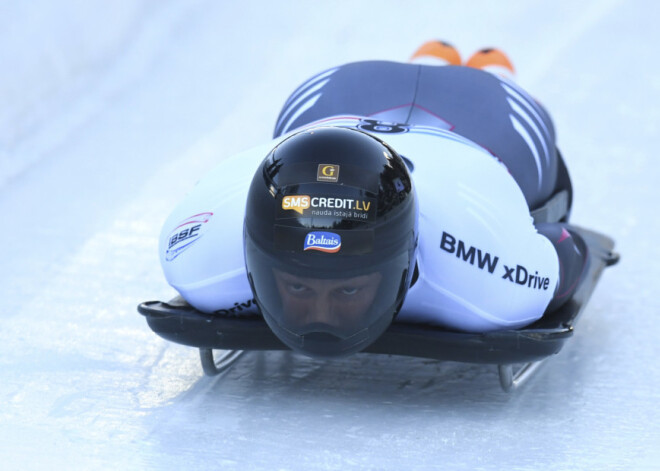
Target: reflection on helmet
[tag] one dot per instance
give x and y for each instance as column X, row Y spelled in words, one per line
column 330, row 238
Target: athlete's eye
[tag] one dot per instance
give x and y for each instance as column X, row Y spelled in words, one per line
column 296, row 288
column 349, row 290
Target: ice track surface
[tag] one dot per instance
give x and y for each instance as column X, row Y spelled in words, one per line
column 109, row 113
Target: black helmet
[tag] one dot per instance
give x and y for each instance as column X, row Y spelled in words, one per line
column 330, row 238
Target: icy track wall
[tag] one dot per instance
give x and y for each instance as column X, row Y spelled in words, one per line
column 50, row 53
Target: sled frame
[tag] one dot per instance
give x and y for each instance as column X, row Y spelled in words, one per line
column 518, row 354
column 510, row 380
column 212, row 366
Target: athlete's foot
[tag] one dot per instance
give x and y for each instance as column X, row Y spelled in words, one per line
column 492, row 60
column 436, row 53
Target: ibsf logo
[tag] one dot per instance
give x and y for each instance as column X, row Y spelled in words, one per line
column 298, row 203
column 186, row 233
column 328, row 242
column 327, row 173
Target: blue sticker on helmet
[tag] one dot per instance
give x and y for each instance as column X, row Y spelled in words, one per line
column 328, row 242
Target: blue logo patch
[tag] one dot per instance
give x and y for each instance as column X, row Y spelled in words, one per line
column 328, row 242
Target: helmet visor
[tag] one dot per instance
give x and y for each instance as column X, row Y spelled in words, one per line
column 327, row 312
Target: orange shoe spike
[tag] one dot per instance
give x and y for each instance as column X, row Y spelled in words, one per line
column 437, row 51
column 489, row 57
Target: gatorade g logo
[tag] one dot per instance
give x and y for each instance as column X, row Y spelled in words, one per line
column 328, row 242
column 298, row 203
column 327, row 173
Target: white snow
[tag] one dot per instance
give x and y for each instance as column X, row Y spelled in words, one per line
column 111, row 111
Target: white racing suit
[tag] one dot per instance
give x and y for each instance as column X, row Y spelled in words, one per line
column 482, row 156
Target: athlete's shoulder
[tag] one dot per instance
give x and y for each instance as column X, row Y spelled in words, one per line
column 480, row 255
column 201, row 244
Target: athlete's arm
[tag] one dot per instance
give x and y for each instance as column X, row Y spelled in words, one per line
column 573, row 261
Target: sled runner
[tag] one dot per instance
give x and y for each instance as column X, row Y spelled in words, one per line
column 525, row 348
